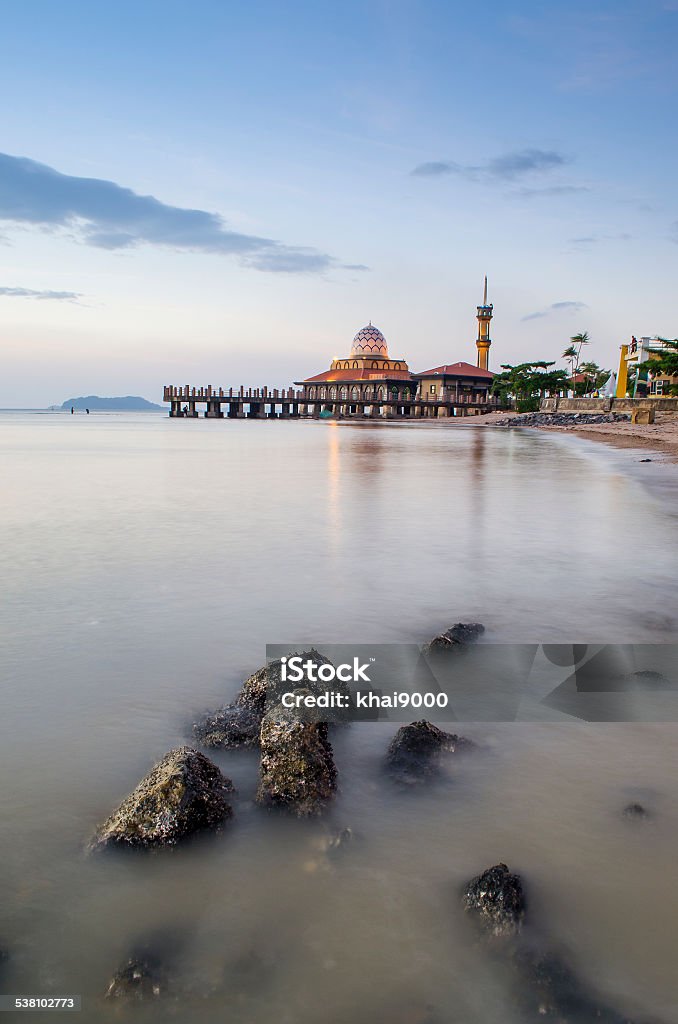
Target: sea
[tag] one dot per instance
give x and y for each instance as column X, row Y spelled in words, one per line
column 147, row 563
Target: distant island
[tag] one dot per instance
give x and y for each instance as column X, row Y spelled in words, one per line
column 128, row 403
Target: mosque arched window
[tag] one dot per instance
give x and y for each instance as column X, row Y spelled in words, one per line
column 375, row 365
column 311, row 392
column 333, row 393
column 396, row 366
column 380, row 394
column 322, row 393
column 344, row 392
column 355, row 365
column 354, row 394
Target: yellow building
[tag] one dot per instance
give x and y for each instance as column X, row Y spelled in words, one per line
column 635, row 354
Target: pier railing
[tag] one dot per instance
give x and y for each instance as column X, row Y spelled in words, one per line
column 186, row 393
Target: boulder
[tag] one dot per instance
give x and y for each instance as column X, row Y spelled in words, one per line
column 496, row 901
column 184, row 794
column 459, row 634
column 415, row 752
column 297, row 771
column 239, row 724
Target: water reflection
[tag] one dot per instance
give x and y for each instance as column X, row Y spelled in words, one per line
column 146, row 563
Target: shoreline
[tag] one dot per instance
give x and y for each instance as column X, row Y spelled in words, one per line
column 660, row 437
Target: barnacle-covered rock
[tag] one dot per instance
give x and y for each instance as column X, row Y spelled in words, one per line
column 297, row 770
column 497, row 902
column 239, row 724
column 458, row 635
column 185, row 793
column 140, row 979
column 416, row 750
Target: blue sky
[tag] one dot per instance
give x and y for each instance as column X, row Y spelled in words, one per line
column 225, row 193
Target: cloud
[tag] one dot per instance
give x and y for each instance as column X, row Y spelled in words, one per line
column 512, row 165
column 506, row 167
column 32, row 293
column 585, row 242
column 435, row 168
column 551, row 190
column 109, row 216
column 556, row 307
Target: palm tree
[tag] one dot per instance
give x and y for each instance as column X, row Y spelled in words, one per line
column 573, row 353
column 570, row 356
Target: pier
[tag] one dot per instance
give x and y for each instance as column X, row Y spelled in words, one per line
column 338, row 403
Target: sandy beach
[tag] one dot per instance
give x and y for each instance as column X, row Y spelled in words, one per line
column 660, row 436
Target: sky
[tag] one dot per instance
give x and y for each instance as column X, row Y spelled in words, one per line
column 225, row 193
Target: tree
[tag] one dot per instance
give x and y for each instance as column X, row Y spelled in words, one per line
column 666, row 362
column 572, row 353
column 527, row 383
column 594, row 378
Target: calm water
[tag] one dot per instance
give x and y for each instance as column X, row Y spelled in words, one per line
column 147, row 562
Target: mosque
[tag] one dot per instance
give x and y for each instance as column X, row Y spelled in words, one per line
column 369, row 375
column 366, row 383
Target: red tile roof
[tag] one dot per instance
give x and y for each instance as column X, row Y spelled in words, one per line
column 457, row 370
column 329, row 375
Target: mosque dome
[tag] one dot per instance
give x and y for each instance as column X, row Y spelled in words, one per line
column 370, row 342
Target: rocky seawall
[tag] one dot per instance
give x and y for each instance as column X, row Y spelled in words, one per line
column 561, row 419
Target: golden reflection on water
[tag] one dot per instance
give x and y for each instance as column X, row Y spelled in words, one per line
column 334, row 517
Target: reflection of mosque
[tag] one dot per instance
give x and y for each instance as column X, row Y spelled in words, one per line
column 368, row 377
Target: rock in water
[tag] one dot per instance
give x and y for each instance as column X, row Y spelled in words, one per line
column 239, row 724
column 496, row 900
column 415, row 751
column 297, row 766
column 542, row 985
column 229, row 727
column 547, row 989
column 139, row 980
column 459, row 634
column 635, row 811
column 185, row 793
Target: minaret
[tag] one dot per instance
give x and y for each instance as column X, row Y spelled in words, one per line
column 483, row 341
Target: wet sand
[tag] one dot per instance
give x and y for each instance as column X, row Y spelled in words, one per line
column 660, row 436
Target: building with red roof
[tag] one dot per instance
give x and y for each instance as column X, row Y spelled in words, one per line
column 369, row 375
